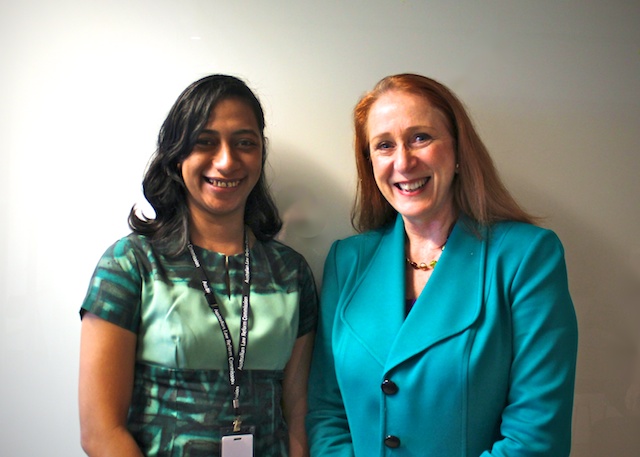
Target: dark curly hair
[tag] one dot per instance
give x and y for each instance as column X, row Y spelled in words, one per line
column 163, row 185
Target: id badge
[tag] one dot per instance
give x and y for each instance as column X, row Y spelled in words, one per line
column 237, row 444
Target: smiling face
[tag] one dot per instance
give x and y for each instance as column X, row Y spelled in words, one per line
column 413, row 156
column 225, row 163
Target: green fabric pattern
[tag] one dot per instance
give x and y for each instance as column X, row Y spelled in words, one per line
column 180, row 412
column 181, row 391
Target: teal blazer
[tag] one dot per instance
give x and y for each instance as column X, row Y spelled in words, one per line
column 483, row 365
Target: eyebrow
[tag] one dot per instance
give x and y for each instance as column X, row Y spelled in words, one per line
column 411, row 129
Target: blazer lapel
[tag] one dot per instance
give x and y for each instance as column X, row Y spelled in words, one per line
column 374, row 311
column 451, row 300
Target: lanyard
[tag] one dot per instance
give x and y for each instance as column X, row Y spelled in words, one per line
column 236, row 365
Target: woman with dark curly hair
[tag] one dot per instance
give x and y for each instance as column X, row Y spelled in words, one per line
column 197, row 327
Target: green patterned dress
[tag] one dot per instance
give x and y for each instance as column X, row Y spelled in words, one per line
column 181, row 394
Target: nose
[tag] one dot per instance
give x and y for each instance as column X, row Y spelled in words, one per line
column 404, row 159
column 225, row 159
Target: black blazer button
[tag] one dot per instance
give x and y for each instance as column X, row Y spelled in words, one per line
column 392, row 441
column 389, row 387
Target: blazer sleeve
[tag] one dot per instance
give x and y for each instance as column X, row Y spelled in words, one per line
column 537, row 418
column 327, row 426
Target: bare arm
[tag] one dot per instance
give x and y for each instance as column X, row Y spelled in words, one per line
column 294, row 394
column 107, row 360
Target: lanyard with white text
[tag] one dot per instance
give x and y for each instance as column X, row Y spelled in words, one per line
column 235, row 368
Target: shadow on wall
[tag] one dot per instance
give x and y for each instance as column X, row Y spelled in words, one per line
column 607, row 402
column 314, row 206
column 606, row 296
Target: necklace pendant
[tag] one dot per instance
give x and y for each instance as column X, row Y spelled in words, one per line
column 427, row 266
column 422, row 265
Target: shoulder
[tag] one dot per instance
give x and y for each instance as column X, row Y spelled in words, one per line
column 351, row 257
column 129, row 243
column 517, row 243
column 275, row 249
column 360, row 245
column 132, row 252
column 284, row 262
column 520, row 233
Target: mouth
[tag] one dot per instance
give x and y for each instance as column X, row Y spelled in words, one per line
column 412, row 186
column 222, row 182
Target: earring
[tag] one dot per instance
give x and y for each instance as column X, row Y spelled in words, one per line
column 457, row 167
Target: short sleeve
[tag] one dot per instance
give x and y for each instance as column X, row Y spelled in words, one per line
column 114, row 292
column 308, row 301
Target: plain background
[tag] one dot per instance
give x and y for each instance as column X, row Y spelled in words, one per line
column 553, row 87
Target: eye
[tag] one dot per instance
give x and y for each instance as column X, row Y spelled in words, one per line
column 246, row 143
column 383, row 147
column 206, row 142
column 421, row 138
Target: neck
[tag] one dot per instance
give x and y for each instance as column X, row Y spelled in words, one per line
column 225, row 237
column 425, row 237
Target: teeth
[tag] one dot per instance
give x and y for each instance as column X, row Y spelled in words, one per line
column 409, row 186
column 218, row 183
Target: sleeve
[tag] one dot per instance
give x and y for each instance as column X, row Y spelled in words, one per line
column 537, row 418
column 308, row 301
column 114, row 292
column 327, row 426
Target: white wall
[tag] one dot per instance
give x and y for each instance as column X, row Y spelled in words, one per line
column 552, row 85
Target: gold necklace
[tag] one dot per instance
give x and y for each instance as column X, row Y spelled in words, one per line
column 423, row 265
